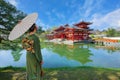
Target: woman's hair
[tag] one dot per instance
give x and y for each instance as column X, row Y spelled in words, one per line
column 31, row 29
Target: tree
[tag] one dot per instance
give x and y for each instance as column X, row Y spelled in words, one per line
column 39, row 31
column 9, row 15
column 111, row 32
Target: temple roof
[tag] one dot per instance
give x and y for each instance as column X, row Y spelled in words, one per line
column 66, row 25
column 78, row 28
column 60, row 28
column 68, row 28
column 81, row 23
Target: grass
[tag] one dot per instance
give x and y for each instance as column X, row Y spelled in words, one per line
column 12, row 68
column 77, row 73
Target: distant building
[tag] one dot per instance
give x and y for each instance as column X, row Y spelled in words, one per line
column 78, row 32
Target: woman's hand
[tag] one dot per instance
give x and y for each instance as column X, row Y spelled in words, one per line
column 19, row 21
column 41, row 62
column 28, row 49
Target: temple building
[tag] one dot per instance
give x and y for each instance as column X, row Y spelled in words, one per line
column 79, row 32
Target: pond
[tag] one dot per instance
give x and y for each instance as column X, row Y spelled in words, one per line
column 60, row 55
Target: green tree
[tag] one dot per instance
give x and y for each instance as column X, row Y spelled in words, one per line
column 9, row 15
column 111, row 32
column 118, row 33
column 39, row 31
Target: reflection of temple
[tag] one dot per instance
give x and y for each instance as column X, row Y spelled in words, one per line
column 80, row 53
column 78, row 32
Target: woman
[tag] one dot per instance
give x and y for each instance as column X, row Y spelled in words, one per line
column 33, row 58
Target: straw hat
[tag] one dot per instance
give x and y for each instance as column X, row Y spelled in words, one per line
column 23, row 26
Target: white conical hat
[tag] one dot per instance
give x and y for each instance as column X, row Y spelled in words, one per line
column 23, row 26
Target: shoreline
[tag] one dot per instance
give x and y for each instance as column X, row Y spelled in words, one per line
column 64, row 73
column 58, row 68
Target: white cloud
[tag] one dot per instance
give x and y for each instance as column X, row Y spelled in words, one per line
column 13, row 2
column 85, row 11
column 43, row 25
column 112, row 19
column 88, row 4
column 71, row 4
column 60, row 16
column 91, row 5
column 119, row 23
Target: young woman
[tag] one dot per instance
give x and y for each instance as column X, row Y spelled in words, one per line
column 33, row 58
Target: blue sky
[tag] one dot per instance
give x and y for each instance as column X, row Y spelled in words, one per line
column 103, row 13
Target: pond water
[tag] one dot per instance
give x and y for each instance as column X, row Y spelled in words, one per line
column 59, row 55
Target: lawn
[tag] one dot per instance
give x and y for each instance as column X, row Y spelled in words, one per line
column 78, row 73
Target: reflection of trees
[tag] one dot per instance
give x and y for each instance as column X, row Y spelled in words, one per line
column 82, row 54
column 109, row 49
column 14, row 46
column 16, row 54
column 72, row 52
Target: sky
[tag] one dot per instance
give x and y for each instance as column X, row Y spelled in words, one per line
column 103, row 14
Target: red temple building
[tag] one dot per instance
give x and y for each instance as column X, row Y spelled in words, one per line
column 79, row 32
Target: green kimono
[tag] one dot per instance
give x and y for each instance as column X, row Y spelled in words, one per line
column 33, row 58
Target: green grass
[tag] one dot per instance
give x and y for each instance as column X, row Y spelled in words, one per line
column 12, row 68
column 77, row 73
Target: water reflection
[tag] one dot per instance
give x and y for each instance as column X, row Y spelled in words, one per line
column 79, row 52
column 16, row 54
column 109, row 48
column 60, row 55
column 7, row 59
column 14, row 46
